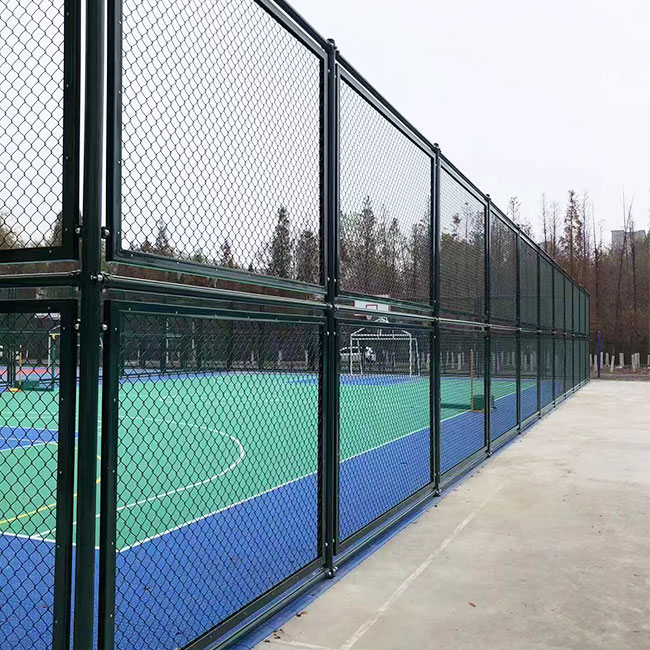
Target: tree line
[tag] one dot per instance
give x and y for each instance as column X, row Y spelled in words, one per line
column 381, row 256
column 617, row 278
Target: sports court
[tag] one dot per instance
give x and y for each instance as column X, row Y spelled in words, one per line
column 190, row 475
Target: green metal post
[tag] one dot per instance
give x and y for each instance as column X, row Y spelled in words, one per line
column 108, row 521
column 487, row 402
column 330, row 356
column 518, row 334
column 539, row 335
column 553, row 331
column 65, row 479
column 434, row 373
column 90, row 328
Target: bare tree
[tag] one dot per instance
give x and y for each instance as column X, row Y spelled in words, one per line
column 554, row 227
column 544, row 222
column 617, row 318
column 630, row 224
column 514, row 208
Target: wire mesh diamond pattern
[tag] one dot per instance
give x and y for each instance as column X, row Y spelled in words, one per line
column 29, row 436
column 31, row 123
column 221, row 138
column 218, row 457
column 462, row 251
column 385, row 220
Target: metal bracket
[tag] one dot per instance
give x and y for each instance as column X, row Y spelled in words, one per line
column 330, row 573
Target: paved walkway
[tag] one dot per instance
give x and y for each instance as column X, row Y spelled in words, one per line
column 545, row 547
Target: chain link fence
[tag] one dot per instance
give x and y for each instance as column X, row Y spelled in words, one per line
column 530, row 375
column 215, row 463
column 39, row 127
column 528, row 298
column 37, row 455
column 504, row 383
column 462, row 251
column 503, row 272
column 385, row 212
column 297, row 324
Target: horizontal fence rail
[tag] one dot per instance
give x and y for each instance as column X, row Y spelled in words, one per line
column 297, row 325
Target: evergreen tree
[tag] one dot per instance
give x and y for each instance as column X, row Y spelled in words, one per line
column 226, row 257
column 419, row 261
column 307, row 258
column 55, row 238
column 162, row 245
column 8, row 239
column 392, row 256
column 571, row 240
column 366, row 248
column 280, row 252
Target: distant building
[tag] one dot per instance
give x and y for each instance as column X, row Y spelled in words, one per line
column 618, row 237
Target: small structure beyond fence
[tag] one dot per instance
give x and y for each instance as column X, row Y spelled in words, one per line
column 295, row 322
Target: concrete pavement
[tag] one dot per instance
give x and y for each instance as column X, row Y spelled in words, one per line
column 545, row 547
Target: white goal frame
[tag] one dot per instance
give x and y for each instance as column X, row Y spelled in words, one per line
column 361, row 337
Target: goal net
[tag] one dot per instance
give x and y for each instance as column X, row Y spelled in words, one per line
column 385, row 351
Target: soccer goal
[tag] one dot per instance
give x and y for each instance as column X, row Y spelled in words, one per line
column 386, row 351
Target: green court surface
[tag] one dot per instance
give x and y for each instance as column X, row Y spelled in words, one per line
column 191, row 446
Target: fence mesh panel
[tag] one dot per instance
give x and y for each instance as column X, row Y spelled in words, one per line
column 462, row 395
column 31, row 123
column 217, row 469
column 576, row 310
column 503, row 272
column 558, row 295
column 559, row 355
column 385, row 219
column 221, row 138
column 29, row 451
column 384, row 448
column 546, row 370
column 545, row 294
column 529, row 367
column 503, row 382
column 568, row 385
column 462, row 251
column 528, row 285
column 568, row 306
column 575, row 352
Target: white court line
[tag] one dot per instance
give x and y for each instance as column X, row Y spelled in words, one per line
column 184, row 488
column 361, row 631
column 223, row 472
column 35, row 444
column 34, row 537
column 255, row 496
column 451, row 417
column 206, row 481
column 212, row 514
column 277, row 487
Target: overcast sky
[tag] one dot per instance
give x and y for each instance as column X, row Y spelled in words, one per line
column 522, row 96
